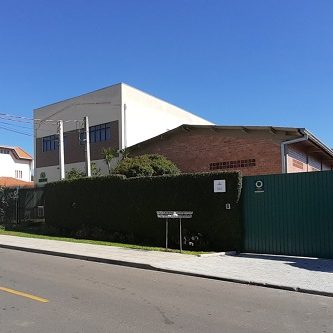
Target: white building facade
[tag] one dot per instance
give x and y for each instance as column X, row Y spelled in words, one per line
column 119, row 116
column 15, row 163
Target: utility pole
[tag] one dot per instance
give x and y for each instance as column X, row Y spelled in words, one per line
column 125, row 127
column 87, row 146
column 61, row 149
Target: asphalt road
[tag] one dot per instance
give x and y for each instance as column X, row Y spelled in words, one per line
column 67, row 295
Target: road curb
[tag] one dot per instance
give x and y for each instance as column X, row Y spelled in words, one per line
column 79, row 256
column 166, row 270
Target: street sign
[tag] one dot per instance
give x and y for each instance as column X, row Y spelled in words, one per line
column 161, row 214
column 174, row 214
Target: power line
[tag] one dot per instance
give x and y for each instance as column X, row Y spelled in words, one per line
column 3, row 122
column 15, row 118
column 12, row 130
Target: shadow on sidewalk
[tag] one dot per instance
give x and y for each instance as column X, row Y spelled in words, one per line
column 311, row 264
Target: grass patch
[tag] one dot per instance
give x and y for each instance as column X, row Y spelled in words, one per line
column 95, row 242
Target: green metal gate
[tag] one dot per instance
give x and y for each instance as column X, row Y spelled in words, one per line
column 289, row 214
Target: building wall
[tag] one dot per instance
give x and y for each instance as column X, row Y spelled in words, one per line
column 135, row 116
column 147, row 116
column 101, row 106
column 299, row 160
column 74, row 150
column 52, row 173
column 196, row 150
column 15, row 168
column 254, row 152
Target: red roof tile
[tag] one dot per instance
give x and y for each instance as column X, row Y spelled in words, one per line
column 19, row 152
column 13, row 182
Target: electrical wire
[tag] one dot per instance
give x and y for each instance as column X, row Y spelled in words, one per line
column 12, row 130
column 14, row 118
column 3, row 122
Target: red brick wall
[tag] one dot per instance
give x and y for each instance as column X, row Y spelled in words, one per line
column 194, row 150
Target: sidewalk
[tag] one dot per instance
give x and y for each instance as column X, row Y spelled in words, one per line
column 309, row 275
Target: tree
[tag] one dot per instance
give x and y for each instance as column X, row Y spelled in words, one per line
column 95, row 172
column 146, row 166
column 76, row 173
column 109, row 154
column 3, row 204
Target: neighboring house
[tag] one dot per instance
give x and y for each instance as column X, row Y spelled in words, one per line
column 119, row 116
column 12, row 182
column 254, row 150
column 15, row 165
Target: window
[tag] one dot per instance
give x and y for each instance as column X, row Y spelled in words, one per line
column 100, row 132
column 4, row 151
column 50, row 143
column 18, row 174
column 232, row 164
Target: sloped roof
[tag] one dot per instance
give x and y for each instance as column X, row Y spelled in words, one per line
column 19, row 152
column 13, row 182
column 295, row 131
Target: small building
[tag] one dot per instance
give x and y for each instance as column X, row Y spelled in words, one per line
column 119, row 116
column 254, row 150
column 15, row 164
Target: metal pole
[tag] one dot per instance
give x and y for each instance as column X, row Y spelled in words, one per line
column 180, row 234
column 17, row 209
column 87, row 146
column 125, row 127
column 61, row 149
column 166, row 233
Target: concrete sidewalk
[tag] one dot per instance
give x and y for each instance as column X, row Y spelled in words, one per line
column 308, row 275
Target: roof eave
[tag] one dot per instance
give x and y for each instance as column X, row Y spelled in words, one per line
column 318, row 142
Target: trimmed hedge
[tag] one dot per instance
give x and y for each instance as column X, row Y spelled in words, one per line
column 118, row 209
column 146, row 166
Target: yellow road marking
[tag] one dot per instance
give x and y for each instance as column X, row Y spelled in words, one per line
column 20, row 293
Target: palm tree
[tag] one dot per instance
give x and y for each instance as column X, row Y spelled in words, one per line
column 109, row 154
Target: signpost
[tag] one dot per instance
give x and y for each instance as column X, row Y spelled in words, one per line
column 174, row 215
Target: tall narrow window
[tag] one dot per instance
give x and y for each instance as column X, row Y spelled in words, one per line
column 99, row 133
column 50, row 143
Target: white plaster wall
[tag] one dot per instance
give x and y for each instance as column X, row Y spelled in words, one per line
column 100, row 106
column 25, row 167
column 8, row 165
column 147, row 116
column 53, row 172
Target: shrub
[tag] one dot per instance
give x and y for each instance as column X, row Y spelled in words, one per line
column 146, row 166
column 125, row 209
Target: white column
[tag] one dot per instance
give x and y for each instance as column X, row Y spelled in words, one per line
column 61, row 149
column 87, row 147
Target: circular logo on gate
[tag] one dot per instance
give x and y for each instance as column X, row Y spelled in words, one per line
column 259, row 184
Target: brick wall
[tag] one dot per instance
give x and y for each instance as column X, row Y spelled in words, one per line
column 195, row 149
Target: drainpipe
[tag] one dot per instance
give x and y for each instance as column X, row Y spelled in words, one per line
column 305, row 137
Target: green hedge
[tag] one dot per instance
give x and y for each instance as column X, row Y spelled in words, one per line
column 118, row 209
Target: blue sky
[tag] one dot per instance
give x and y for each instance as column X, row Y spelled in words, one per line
column 235, row 62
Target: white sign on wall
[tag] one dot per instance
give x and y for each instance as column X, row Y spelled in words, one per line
column 219, row 185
